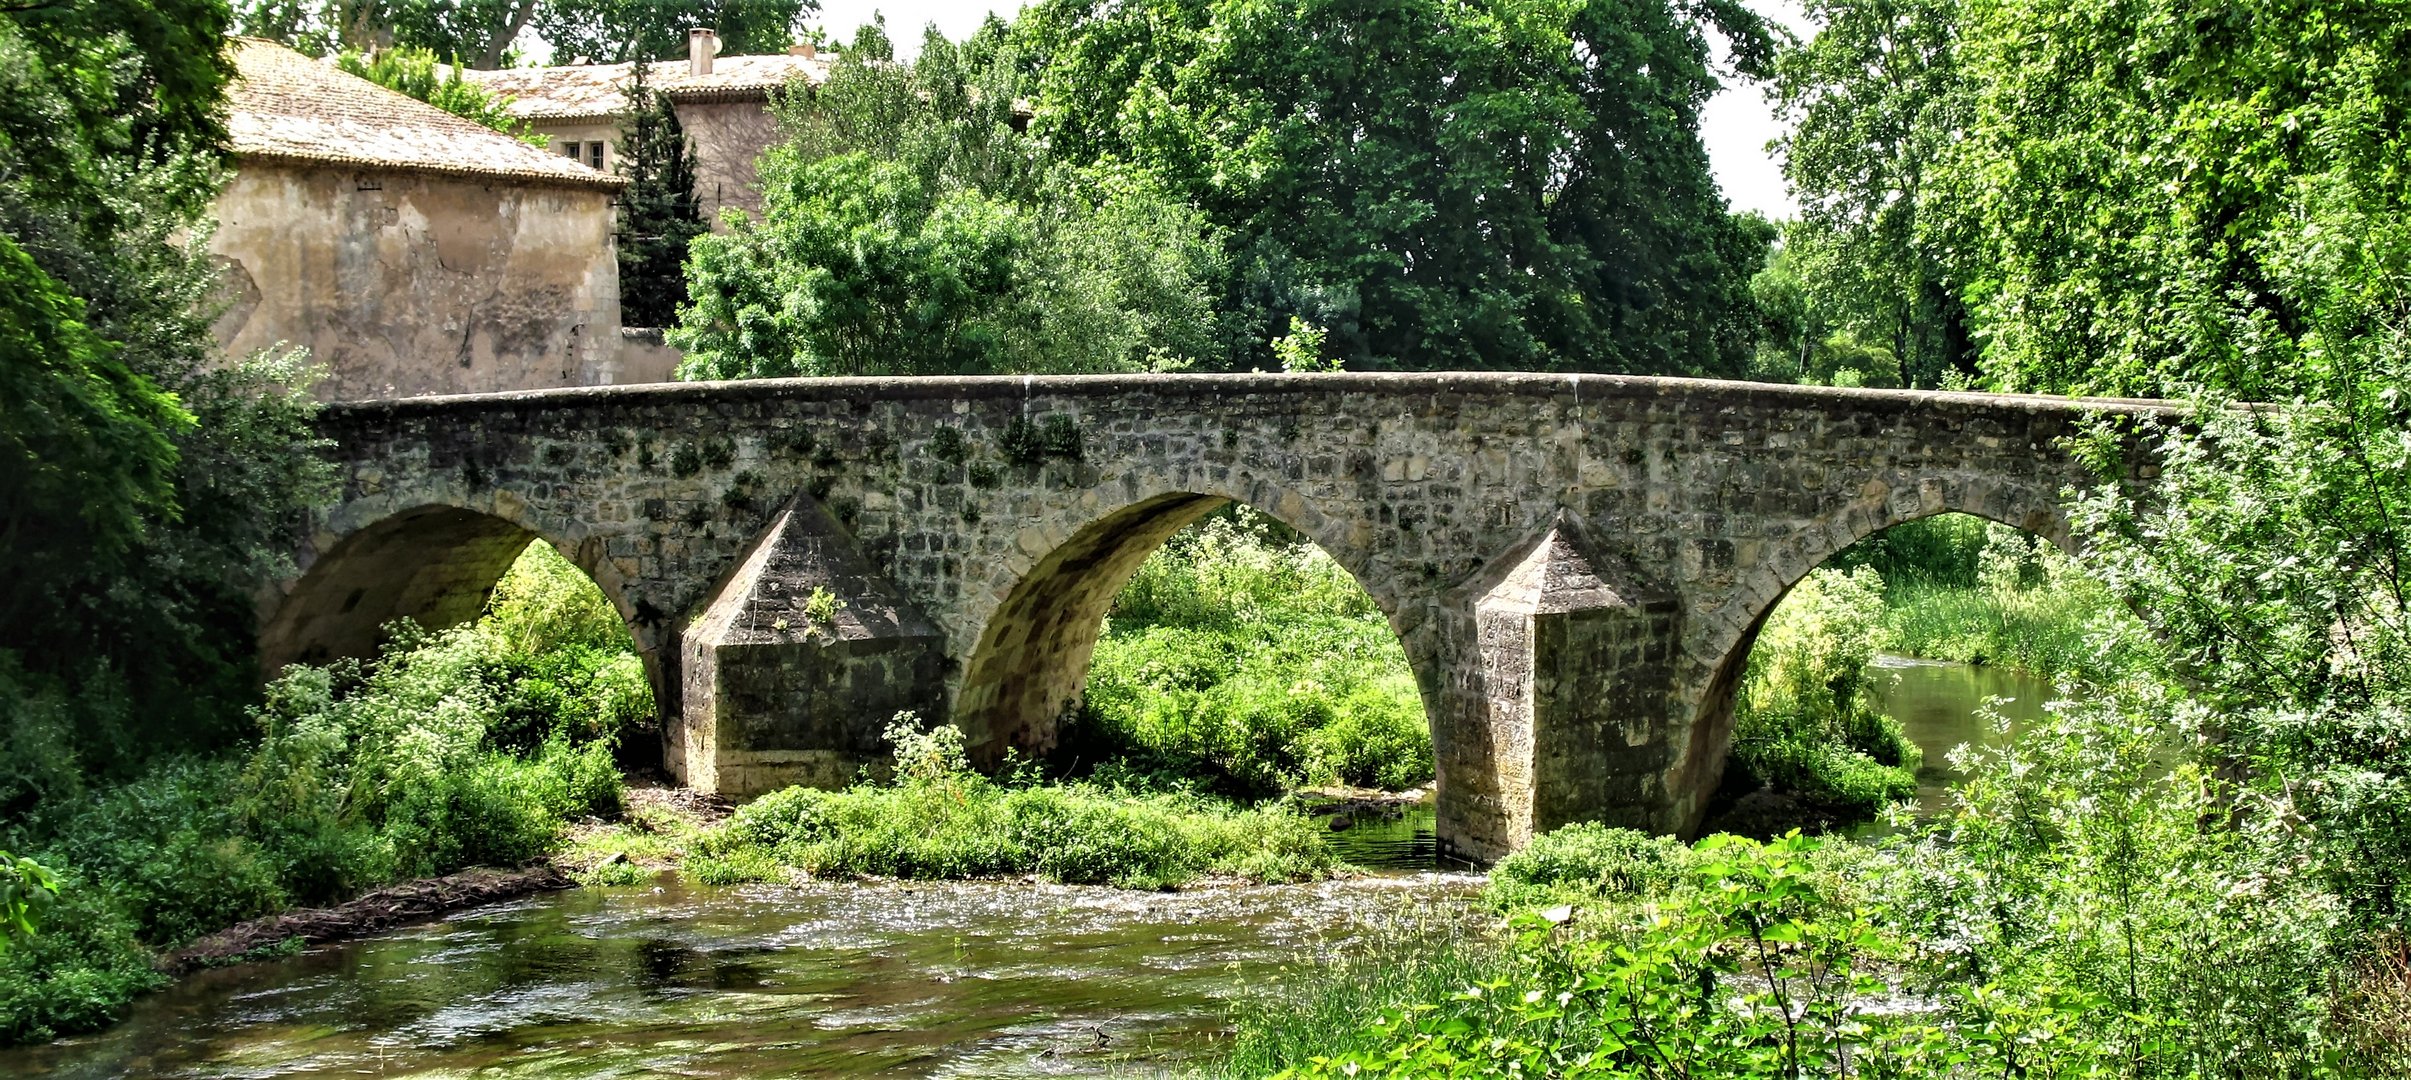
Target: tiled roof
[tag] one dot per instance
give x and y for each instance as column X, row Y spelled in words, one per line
column 583, row 91
column 287, row 107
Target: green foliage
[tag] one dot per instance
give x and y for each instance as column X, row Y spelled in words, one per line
column 149, row 484
column 2109, row 198
column 1500, row 185
column 482, row 33
column 1805, row 721
column 2203, row 948
column 1875, row 98
column 1301, row 349
column 413, row 72
column 938, row 819
column 614, row 31
column 1586, row 861
column 27, row 890
column 908, row 228
column 2268, row 560
column 1759, row 969
column 660, row 215
column 1252, row 663
column 78, row 973
column 468, row 747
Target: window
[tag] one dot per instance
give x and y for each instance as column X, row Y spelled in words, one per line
column 590, row 153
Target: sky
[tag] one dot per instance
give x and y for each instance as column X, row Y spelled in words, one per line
column 1736, row 125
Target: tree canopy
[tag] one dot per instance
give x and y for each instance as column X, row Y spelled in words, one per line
column 909, row 228
column 482, row 33
column 2098, row 197
column 1513, row 183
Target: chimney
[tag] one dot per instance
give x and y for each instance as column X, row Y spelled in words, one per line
column 804, row 49
column 701, row 45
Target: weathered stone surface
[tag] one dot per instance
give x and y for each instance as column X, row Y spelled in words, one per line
column 407, row 283
column 1653, row 523
column 798, row 662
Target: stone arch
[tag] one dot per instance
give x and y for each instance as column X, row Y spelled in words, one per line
column 1735, row 629
column 435, row 563
column 1029, row 664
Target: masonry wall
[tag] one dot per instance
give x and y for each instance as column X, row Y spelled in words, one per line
column 1008, row 509
column 404, row 284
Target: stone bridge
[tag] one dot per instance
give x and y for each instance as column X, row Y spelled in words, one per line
column 1575, row 565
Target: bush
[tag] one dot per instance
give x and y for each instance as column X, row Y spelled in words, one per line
column 79, row 972
column 1245, row 658
column 938, row 819
column 1586, row 861
column 413, row 765
column 1805, row 721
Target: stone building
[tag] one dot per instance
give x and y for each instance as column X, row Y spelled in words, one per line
column 412, row 251
column 723, row 102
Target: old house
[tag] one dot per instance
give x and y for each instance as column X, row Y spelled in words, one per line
column 412, row 251
column 723, row 103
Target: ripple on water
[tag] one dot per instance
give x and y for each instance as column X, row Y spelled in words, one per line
column 966, row 979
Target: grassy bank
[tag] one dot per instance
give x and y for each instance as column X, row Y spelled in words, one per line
column 475, row 746
column 938, row 819
column 1620, row 955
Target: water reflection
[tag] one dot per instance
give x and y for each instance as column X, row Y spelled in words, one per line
column 1941, row 706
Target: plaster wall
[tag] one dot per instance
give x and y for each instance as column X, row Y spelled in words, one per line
column 404, row 284
column 729, row 137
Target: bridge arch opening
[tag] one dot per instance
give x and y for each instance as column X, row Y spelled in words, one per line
column 1189, row 636
column 439, row 567
column 1807, row 715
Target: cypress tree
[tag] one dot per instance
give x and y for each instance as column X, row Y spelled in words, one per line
column 658, row 212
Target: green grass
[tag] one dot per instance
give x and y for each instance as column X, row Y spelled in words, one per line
column 938, row 819
column 1242, row 659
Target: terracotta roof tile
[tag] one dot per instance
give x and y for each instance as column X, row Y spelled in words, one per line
column 287, row 107
column 581, row 91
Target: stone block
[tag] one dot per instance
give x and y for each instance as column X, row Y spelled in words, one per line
column 799, row 662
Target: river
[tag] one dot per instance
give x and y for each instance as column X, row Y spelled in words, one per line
column 837, row 979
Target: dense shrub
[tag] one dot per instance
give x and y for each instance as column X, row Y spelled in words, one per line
column 1243, row 657
column 938, row 819
column 468, row 747
column 1805, row 721
column 1586, row 861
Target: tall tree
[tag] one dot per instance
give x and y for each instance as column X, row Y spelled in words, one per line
column 1510, row 183
column 145, row 484
column 909, row 228
column 613, row 31
column 481, row 33
column 659, row 214
column 1874, row 98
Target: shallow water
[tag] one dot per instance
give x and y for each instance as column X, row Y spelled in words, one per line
column 1941, row 706
column 977, row 979
column 839, row 979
